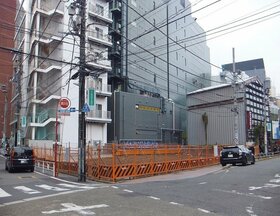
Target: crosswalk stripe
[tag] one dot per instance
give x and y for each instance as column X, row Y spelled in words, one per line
column 52, row 188
column 27, row 190
column 76, row 186
column 4, row 193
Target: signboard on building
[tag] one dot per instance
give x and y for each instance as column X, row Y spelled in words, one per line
column 275, row 130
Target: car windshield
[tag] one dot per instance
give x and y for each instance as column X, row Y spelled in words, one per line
column 21, row 151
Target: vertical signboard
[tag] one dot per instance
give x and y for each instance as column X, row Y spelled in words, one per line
column 91, row 98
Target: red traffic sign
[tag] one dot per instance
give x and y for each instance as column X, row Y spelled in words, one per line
column 64, row 103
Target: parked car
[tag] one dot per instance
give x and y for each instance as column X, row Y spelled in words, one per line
column 236, row 154
column 20, row 157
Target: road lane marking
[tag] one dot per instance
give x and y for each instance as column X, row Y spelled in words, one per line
column 275, row 180
column 70, row 207
column 27, row 190
column 204, row 210
column 155, row 198
column 174, row 203
column 243, row 194
column 202, row 183
column 4, row 193
column 128, row 191
column 52, row 188
column 76, row 186
column 250, row 211
column 115, row 187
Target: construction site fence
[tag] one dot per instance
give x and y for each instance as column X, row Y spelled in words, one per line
column 114, row 162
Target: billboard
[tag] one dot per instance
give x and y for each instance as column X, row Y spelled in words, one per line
column 275, row 130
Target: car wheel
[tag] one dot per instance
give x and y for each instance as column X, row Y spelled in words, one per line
column 233, row 164
column 244, row 162
column 6, row 168
column 10, row 169
column 32, row 169
column 223, row 164
column 253, row 161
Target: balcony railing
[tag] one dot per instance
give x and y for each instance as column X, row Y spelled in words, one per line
column 42, row 116
column 100, row 13
column 48, row 6
column 100, row 114
column 100, row 37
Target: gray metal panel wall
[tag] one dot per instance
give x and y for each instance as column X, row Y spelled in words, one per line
column 220, row 127
column 136, row 124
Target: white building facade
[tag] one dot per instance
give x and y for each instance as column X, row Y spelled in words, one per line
column 49, row 61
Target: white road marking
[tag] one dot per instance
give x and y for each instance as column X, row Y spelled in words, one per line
column 244, row 194
column 254, row 188
column 70, row 207
column 249, row 210
column 41, row 197
column 115, row 187
column 277, row 176
column 155, row 198
column 174, row 203
column 275, row 180
column 76, row 186
column 128, row 191
column 202, row 183
column 203, row 210
column 4, row 193
column 27, row 190
column 52, row 188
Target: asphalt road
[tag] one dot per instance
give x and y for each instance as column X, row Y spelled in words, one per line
column 253, row 190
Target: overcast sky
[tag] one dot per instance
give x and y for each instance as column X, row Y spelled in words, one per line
column 261, row 40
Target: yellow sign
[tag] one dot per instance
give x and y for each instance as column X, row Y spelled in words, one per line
column 148, row 108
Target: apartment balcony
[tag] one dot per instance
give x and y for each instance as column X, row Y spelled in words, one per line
column 42, row 96
column 99, row 13
column 42, row 119
column 100, row 64
column 99, row 116
column 103, row 90
column 115, row 52
column 48, row 8
column 100, row 38
column 45, row 65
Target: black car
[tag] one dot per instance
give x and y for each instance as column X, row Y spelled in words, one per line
column 20, row 157
column 236, row 154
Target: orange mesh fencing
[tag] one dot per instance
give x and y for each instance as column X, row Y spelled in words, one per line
column 114, row 162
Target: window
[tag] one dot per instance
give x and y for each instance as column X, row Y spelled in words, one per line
column 154, row 22
column 99, row 10
column 99, row 32
column 155, row 78
column 155, row 59
column 154, row 40
column 177, row 71
column 154, row 5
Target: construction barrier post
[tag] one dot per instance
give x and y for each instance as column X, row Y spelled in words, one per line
column 113, row 162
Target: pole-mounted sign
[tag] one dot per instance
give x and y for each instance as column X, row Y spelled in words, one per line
column 64, row 103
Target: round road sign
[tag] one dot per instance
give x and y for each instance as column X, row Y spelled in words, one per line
column 64, row 103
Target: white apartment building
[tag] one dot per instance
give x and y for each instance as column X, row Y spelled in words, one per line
column 49, row 57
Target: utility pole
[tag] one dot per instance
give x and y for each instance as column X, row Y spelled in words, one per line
column 265, row 116
column 235, row 109
column 82, row 123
